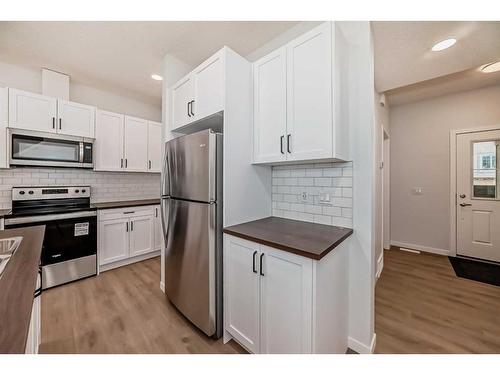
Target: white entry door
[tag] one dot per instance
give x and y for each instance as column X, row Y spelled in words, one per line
column 478, row 198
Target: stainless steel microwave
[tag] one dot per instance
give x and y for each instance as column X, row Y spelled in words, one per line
column 29, row 150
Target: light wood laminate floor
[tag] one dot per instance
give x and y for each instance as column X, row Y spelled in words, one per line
column 422, row 307
column 120, row 311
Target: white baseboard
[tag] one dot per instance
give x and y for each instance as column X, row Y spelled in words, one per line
column 360, row 347
column 125, row 262
column 427, row 249
column 380, row 265
column 162, row 286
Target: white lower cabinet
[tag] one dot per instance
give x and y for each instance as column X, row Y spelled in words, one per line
column 126, row 235
column 34, row 331
column 279, row 302
column 158, row 229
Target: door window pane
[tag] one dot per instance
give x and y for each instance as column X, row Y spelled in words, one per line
column 484, row 171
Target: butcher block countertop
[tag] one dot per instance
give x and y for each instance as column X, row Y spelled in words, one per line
column 17, row 288
column 299, row 237
column 131, row 203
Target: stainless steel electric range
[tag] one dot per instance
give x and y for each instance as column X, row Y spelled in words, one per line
column 70, row 245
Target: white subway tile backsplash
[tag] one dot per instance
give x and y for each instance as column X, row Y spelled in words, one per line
column 105, row 186
column 289, row 182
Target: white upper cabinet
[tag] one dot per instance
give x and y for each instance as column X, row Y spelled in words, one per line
column 208, row 82
column 182, row 97
column 154, row 146
column 269, row 79
column 309, row 95
column 293, row 101
column 136, row 144
column 75, row 119
column 108, row 145
column 200, row 93
column 4, row 119
column 32, row 111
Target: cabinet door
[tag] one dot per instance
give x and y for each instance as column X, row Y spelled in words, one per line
column 75, row 119
column 182, row 94
column 108, row 143
column 241, row 291
column 136, row 144
column 154, row 146
column 208, row 81
column 113, row 240
column 32, row 111
column 286, row 302
column 141, row 235
column 269, row 77
column 158, row 231
column 309, row 95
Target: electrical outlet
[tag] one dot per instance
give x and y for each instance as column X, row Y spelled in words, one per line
column 417, row 191
column 324, row 197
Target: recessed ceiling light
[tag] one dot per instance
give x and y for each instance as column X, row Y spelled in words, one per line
column 491, row 67
column 157, row 77
column 447, row 43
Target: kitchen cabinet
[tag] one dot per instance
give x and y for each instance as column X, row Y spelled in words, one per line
column 30, row 111
column 242, row 292
column 108, row 145
column 269, row 77
column 114, row 240
column 135, row 144
column 34, row 331
column 279, row 302
column 154, row 146
column 200, row 93
column 295, row 115
column 75, row 119
column 126, row 235
column 4, row 120
column 141, row 235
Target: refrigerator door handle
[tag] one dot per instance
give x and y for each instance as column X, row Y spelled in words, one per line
column 165, row 173
column 164, row 207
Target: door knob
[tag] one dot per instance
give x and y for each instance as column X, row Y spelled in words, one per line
column 465, row 204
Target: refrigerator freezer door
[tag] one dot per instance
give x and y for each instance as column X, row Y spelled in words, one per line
column 190, row 164
column 190, row 261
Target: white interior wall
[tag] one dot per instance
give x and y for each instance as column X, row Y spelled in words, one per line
column 28, row 79
column 420, row 158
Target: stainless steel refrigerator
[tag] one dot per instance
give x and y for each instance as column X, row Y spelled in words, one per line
column 191, row 208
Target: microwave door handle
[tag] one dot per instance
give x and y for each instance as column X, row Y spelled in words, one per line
column 81, row 152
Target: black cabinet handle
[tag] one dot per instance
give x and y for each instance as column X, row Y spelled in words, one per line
column 53, row 122
column 260, row 264
column 126, row 226
column 149, row 164
column 121, row 163
column 131, row 226
column 288, row 143
column 60, row 123
column 126, row 162
column 156, row 212
column 188, row 104
column 281, row 144
column 192, row 105
column 253, row 261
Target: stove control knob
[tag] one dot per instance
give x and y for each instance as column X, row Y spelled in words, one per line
column 77, row 191
column 21, row 192
column 31, row 192
column 83, row 190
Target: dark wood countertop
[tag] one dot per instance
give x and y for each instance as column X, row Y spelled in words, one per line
column 131, row 203
column 17, row 287
column 299, row 237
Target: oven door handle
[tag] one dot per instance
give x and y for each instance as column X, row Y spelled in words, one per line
column 43, row 218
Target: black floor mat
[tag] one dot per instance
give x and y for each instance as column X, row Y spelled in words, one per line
column 483, row 272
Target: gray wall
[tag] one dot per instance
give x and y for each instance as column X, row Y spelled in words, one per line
column 420, row 158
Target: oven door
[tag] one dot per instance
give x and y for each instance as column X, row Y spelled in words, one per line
column 41, row 151
column 65, row 238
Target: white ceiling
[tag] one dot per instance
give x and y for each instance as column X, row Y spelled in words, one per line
column 123, row 55
column 403, row 56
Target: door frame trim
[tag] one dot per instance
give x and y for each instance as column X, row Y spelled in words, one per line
column 453, row 180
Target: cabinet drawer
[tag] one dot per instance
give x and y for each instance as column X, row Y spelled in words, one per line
column 118, row 213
